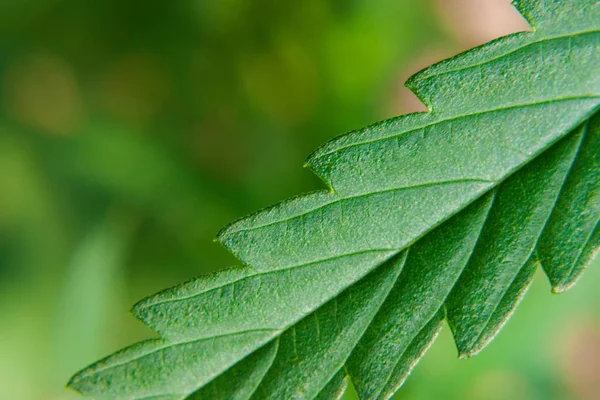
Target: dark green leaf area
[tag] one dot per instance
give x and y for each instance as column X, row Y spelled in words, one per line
column 572, row 236
column 503, row 263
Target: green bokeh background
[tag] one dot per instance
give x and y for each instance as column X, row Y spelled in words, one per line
column 131, row 131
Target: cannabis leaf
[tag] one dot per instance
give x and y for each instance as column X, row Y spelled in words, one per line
column 431, row 216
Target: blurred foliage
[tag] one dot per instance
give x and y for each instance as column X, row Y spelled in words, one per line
column 131, row 132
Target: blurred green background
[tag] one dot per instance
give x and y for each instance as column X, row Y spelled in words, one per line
column 132, row 131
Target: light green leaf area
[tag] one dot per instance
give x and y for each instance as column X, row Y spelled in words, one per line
column 429, row 217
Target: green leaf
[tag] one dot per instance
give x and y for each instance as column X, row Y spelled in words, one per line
column 429, row 216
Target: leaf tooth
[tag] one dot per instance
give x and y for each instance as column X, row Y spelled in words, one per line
column 549, row 15
column 527, row 9
column 194, row 363
column 420, row 89
column 584, row 259
column 413, row 354
column 571, row 239
column 504, row 310
column 192, row 288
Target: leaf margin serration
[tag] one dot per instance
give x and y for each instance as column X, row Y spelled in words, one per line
column 332, row 189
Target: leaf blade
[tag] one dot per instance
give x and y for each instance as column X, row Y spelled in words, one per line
column 495, row 111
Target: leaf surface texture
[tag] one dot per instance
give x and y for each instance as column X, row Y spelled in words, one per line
column 428, row 217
